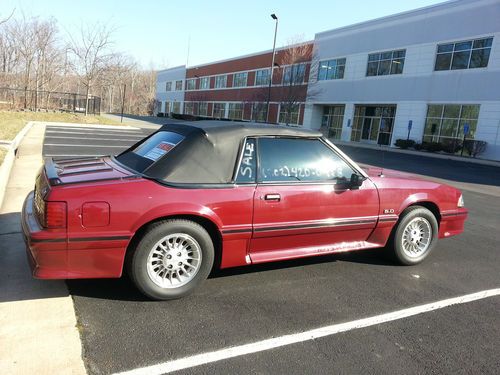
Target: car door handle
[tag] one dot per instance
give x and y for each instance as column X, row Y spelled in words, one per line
column 272, row 197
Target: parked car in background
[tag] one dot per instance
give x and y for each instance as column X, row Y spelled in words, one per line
column 192, row 197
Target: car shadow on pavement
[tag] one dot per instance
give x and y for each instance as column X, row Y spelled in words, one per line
column 123, row 289
column 16, row 281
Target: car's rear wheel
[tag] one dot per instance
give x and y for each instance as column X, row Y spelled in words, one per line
column 171, row 259
column 415, row 235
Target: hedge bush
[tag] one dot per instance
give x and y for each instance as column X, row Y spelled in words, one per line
column 404, row 143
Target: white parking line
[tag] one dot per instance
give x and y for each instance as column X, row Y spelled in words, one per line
column 97, row 139
column 259, row 346
column 71, row 156
column 90, row 126
column 118, row 134
column 70, row 145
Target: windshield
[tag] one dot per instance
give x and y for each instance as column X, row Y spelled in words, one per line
column 149, row 151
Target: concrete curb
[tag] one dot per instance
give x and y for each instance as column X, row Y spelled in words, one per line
column 8, row 161
column 492, row 163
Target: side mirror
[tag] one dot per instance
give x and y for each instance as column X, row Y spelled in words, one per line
column 356, row 181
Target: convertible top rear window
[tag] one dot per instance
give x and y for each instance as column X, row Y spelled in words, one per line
column 141, row 156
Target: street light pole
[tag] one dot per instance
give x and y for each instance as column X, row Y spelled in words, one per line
column 274, row 17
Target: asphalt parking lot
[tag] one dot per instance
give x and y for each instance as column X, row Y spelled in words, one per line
column 72, row 141
column 121, row 330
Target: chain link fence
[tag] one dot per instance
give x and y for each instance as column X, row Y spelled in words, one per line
column 15, row 99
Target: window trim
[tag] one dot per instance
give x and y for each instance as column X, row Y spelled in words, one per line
column 215, row 81
column 268, row 77
column 453, row 42
column 379, row 60
column 291, row 66
column 328, row 60
column 245, row 73
column 298, row 115
column 187, row 84
column 207, row 78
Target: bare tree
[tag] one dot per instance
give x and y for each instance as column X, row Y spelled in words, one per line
column 37, row 62
column 5, row 20
column 91, row 48
column 297, row 63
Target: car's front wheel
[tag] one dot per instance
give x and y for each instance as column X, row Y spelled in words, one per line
column 415, row 235
column 171, row 259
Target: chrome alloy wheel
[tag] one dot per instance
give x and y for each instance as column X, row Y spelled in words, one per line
column 174, row 260
column 417, row 237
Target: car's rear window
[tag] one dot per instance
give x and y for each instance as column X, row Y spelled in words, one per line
column 150, row 150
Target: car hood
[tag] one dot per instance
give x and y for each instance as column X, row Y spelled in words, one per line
column 373, row 171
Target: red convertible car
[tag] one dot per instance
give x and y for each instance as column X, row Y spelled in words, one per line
column 192, row 197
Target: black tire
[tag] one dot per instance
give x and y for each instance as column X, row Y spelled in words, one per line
column 138, row 259
column 395, row 245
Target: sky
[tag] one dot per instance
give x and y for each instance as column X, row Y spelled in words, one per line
column 157, row 33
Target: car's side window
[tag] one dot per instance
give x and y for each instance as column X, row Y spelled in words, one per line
column 247, row 170
column 299, row 159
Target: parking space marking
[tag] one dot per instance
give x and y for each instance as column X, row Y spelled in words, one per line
column 96, row 139
column 129, row 134
column 259, row 346
column 69, row 156
column 70, row 145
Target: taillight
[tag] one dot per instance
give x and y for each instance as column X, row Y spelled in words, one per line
column 55, row 215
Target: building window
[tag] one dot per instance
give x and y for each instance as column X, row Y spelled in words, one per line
column 178, row 85
column 220, row 81
column 385, row 63
column 176, row 107
column 203, row 109
column 445, row 123
column 331, row 124
column 204, row 83
column 191, row 84
column 463, row 55
column 168, row 86
column 235, row 111
column 219, row 110
column 294, row 74
column 262, row 77
column 289, row 114
column 189, row 108
column 259, row 112
column 240, row 79
column 331, row 69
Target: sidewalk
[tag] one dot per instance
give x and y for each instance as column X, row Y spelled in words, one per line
column 38, row 333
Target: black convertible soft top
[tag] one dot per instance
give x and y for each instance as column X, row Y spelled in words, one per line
column 208, row 153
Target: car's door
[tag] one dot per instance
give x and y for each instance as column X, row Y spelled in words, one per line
column 302, row 203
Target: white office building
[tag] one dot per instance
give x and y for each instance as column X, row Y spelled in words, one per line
column 436, row 68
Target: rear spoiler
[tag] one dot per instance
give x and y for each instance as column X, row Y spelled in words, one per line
column 51, row 172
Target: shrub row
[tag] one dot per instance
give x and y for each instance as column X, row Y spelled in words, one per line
column 471, row 146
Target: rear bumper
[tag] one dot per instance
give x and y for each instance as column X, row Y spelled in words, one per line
column 46, row 251
column 52, row 255
column 452, row 222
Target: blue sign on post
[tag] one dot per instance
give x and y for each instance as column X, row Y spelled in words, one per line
column 466, row 128
column 410, row 123
column 348, row 123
